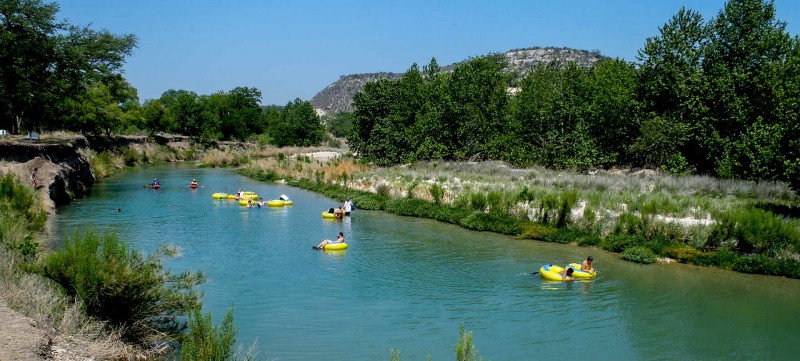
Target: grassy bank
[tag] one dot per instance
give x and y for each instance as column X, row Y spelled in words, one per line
column 743, row 226
column 99, row 295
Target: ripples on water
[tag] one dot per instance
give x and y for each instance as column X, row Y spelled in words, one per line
column 408, row 283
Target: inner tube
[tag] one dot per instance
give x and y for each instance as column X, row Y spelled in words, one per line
column 249, row 193
column 244, row 202
column 219, row 196
column 275, row 203
column 328, row 215
column 335, row 246
column 551, row 272
column 578, row 273
column 231, row 196
column 287, row 203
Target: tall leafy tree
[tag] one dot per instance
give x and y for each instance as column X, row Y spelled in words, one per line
column 49, row 67
column 479, row 105
column 671, row 83
column 614, row 119
column 298, row 124
column 744, row 40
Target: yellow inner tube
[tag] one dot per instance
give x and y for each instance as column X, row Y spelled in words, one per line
column 578, row 273
column 231, row 196
column 243, row 202
column 551, row 272
column 328, row 215
column 275, row 203
column 219, row 195
column 249, row 193
column 287, row 203
column 335, row 246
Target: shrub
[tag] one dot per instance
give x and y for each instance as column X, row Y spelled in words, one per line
column 410, row 189
column 639, row 254
column 754, row 231
column 465, row 349
column 207, row 342
column 437, row 192
column 478, row 201
column 383, row 190
column 588, row 239
column 496, row 202
column 537, row 231
column 683, row 254
column 17, row 199
column 619, row 242
column 499, row 223
column 134, row 293
column 564, row 235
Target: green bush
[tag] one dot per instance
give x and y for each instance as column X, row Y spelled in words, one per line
column 437, row 192
column 639, row 254
column 499, row 223
column 537, row 231
column 478, row 201
column 134, row 293
column 383, row 190
column 755, row 231
column 204, row 341
column 588, row 239
column 260, row 174
column 620, row 242
column 465, row 349
column 18, row 199
column 683, row 254
column 564, row 235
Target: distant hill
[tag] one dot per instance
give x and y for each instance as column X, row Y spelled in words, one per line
column 338, row 96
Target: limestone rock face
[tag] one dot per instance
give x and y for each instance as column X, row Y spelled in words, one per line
column 338, row 97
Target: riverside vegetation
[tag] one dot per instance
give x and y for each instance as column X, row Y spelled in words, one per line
column 115, row 302
column 729, row 109
column 739, row 225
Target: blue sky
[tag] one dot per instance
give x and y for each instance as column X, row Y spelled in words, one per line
column 290, row 49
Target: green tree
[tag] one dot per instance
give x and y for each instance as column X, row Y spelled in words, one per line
column 671, row 83
column 298, row 124
column 745, row 39
column 339, row 124
column 479, row 99
column 614, row 119
column 48, row 67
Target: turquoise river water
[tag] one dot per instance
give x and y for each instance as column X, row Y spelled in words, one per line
column 407, row 284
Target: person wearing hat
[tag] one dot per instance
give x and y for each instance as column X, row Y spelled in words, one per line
column 586, row 266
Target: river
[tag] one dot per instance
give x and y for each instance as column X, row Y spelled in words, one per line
column 407, row 283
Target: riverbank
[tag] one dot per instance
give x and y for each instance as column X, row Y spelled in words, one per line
column 67, row 165
column 644, row 215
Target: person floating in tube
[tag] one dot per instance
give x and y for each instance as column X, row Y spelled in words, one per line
column 339, row 239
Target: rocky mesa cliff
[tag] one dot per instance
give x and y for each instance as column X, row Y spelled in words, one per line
column 338, row 97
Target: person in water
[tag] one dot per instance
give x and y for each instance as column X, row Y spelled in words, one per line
column 239, row 194
column 156, row 182
column 338, row 212
column 194, row 182
column 261, row 202
column 348, row 207
column 586, row 266
column 339, row 239
column 566, row 275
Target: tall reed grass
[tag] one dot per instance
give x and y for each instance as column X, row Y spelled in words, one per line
column 611, row 211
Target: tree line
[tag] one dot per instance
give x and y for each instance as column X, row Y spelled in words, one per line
column 59, row 76
column 719, row 97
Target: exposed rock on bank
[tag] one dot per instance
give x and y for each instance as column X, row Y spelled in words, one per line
column 62, row 173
